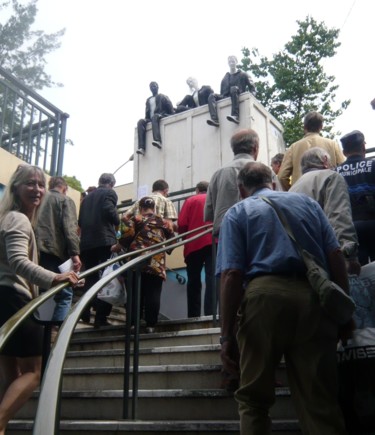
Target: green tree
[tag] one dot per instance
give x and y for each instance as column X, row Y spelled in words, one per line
column 74, row 183
column 23, row 50
column 293, row 81
column 23, row 53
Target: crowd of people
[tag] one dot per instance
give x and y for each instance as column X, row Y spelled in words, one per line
column 266, row 304
column 268, row 309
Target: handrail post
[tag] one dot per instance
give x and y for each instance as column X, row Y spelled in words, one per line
column 137, row 305
column 128, row 322
column 215, row 285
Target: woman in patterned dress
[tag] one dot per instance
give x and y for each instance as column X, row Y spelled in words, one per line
column 141, row 231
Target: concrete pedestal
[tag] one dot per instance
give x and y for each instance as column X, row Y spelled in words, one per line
column 192, row 150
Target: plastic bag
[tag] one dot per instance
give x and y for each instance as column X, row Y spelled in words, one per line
column 356, row 367
column 362, row 290
column 114, row 292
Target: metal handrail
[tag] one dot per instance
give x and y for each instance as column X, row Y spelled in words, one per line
column 48, row 405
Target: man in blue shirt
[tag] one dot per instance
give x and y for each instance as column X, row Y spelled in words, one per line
column 267, row 300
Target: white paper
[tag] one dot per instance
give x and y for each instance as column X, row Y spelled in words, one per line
column 67, row 266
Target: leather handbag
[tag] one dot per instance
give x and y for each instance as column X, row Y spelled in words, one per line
column 333, row 299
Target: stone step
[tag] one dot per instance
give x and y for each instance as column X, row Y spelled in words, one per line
column 179, row 377
column 196, row 354
column 84, row 330
column 197, row 376
column 189, row 373
column 114, row 427
column 179, row 404
column 174, row 338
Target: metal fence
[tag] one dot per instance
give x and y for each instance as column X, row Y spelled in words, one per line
column 31, row 128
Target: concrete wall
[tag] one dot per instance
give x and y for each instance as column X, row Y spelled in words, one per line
column 124, row 192
column 192, row 150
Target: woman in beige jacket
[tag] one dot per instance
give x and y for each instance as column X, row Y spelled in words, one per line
column 20, row 357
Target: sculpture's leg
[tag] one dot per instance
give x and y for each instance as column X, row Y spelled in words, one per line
column 235, row 98
column 141, row 129
column 212, row 107
column 156, row 130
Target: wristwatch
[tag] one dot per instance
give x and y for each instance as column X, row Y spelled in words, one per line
column 225, row 338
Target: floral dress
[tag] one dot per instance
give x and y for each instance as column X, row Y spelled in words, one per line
column 142, row 231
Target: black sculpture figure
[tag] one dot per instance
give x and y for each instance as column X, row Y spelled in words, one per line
column 233, row 84
column 157, row 106
column 199, row 96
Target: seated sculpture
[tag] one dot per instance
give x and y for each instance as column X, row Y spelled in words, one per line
column 198, row 96
column 234, row 83
column 157, row 106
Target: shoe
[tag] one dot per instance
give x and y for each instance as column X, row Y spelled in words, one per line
column 233, row 119
column 150, row 330
column 213, row 123
column 85, row 319
column 140, row 151
column 157, row 144
column 98, row 325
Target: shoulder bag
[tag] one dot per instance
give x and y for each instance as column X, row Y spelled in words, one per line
column 333, row 299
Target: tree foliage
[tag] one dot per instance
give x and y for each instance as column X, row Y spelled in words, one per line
column 23, row 50
column 23, row 53
column 74, row 183
column 293, row 81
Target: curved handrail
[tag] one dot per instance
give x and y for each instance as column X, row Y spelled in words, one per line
column 12, row 324
column 45, row 420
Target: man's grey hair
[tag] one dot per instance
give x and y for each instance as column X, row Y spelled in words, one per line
column 245, row 141
column 313, row 122
column 255, row 175
column 314, row 159
column 107, row 180
column 57, row 182
column 277, row 159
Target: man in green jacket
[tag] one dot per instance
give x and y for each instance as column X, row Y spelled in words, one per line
column 58, row 239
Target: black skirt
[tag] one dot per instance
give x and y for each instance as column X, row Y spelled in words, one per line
column 27, row 340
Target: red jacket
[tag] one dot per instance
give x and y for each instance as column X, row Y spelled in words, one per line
column 191, row 217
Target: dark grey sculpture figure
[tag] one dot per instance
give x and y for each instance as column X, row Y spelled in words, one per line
column 233, row 84
column 157, row 106
column 198, row 96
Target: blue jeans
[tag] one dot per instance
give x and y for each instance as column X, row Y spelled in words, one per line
column 63, row 301
column 63, row 298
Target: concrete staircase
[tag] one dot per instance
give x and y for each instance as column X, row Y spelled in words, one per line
column 179, row 385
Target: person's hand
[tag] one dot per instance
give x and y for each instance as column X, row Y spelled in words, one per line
column 353, row 267
column 346, row 331
column 76, row 263
column 230, row 358
column 116, row 248
column 70, row 277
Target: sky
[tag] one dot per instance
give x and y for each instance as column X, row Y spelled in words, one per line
column 113, row 49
